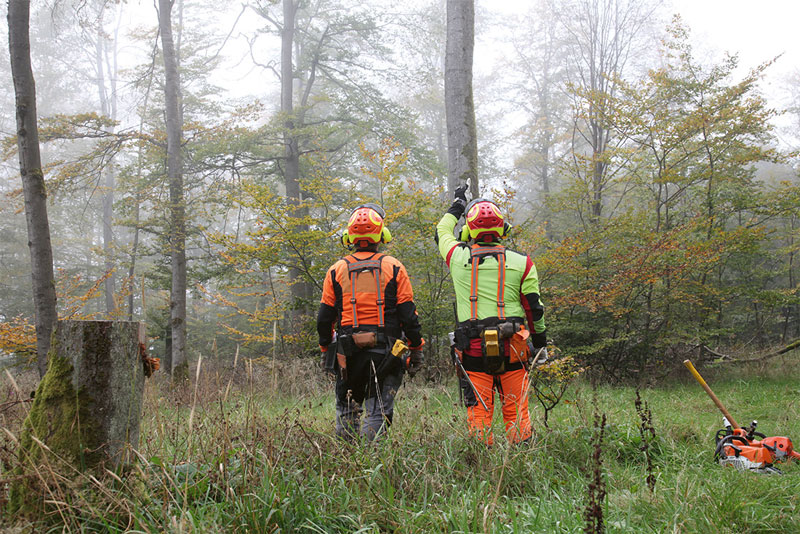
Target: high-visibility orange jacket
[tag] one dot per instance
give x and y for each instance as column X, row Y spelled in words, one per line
column 396, row 300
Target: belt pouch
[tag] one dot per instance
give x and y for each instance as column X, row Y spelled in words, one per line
column 390, row 364
column 506, row 329
column 365, row 340
column 519, row 346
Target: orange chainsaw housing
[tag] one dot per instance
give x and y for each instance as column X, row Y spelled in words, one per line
column 737, row 449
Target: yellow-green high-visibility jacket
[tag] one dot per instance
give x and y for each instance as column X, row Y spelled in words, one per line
column 521, row 281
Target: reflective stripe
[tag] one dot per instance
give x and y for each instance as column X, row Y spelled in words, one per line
column 473, row 292
column 379, row 301
column 358, row 266
column 501, row 285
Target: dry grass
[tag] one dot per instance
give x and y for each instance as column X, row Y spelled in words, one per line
column 251, row 449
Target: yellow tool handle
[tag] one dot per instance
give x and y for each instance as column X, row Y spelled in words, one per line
column 714, row 398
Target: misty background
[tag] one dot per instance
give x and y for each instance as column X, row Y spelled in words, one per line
column 579, row 185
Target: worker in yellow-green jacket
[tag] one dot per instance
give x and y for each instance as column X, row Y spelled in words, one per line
column 500, row 316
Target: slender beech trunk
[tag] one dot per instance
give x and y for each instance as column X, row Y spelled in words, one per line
column 136, row 208
column 30, row 167
column 788, row 309
column 291, row 171
column 180, row 371
column 108, row 107
column 136, row 222
column 462, row 137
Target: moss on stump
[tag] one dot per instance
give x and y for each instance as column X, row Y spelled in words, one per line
column 86, row 411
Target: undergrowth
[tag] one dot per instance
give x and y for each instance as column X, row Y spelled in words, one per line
column 248, row 453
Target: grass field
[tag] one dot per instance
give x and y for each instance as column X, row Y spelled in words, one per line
column 257, row 454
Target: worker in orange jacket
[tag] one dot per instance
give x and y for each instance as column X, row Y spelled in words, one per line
column 367, row 305
column 501, row 327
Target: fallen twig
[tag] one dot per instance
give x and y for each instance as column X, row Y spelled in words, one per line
column 791, row 346
column 8, row 404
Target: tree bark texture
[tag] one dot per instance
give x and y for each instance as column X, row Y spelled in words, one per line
column 174, row 115
column 30, row 166
column 462, row 137
column 87, row 407
column 291, row 171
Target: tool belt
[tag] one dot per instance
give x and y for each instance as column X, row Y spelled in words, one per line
column 371, row 342
column 363, row 340
column 498, row 356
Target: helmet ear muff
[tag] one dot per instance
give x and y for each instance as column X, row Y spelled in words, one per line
column 345, row 239
column 506, row 229
column 464, row 235
column 386, row 235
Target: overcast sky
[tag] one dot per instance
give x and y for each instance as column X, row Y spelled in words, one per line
column 757, row 31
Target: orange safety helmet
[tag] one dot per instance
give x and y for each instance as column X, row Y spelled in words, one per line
column 366, row 226
column 484, row 221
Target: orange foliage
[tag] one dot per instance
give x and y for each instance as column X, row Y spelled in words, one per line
column 17, row 335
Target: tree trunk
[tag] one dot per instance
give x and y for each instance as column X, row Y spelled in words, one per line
column 137, row 209
column 462, row 137
column 180, row 370
column 30, row 166
column 291, row 172
column 88, row 406
column 168, row 347
column 108, row 107
column 132, row 267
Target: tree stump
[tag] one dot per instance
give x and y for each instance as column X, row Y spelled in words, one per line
column 87, row 407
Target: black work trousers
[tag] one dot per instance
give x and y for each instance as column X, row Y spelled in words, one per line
column 373, row 378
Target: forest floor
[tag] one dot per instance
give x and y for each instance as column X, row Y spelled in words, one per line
column 255, row 452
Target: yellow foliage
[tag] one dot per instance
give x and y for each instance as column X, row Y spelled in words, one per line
column 17, row 335
column 550, row 381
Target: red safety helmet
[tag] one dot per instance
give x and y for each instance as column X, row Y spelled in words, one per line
column 366, row 227
column 484, row 222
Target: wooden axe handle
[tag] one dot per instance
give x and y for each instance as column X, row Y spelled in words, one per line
column 714, row 398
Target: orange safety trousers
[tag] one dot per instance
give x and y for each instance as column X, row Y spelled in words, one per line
column 511, row 386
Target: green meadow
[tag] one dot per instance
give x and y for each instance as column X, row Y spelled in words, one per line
column 256, row 452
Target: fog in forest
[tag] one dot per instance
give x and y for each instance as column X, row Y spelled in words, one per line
column 651, row 176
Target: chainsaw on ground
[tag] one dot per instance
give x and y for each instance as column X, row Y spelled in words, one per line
column 745, row 448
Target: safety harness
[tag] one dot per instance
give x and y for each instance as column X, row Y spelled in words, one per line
column 476, row 254
column 494, row 361
column 356, row 267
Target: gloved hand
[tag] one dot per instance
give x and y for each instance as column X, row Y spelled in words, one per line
column 459, row 201
column 538, row 339
column 416, row 360
column 461, row 193
column 538, row 346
